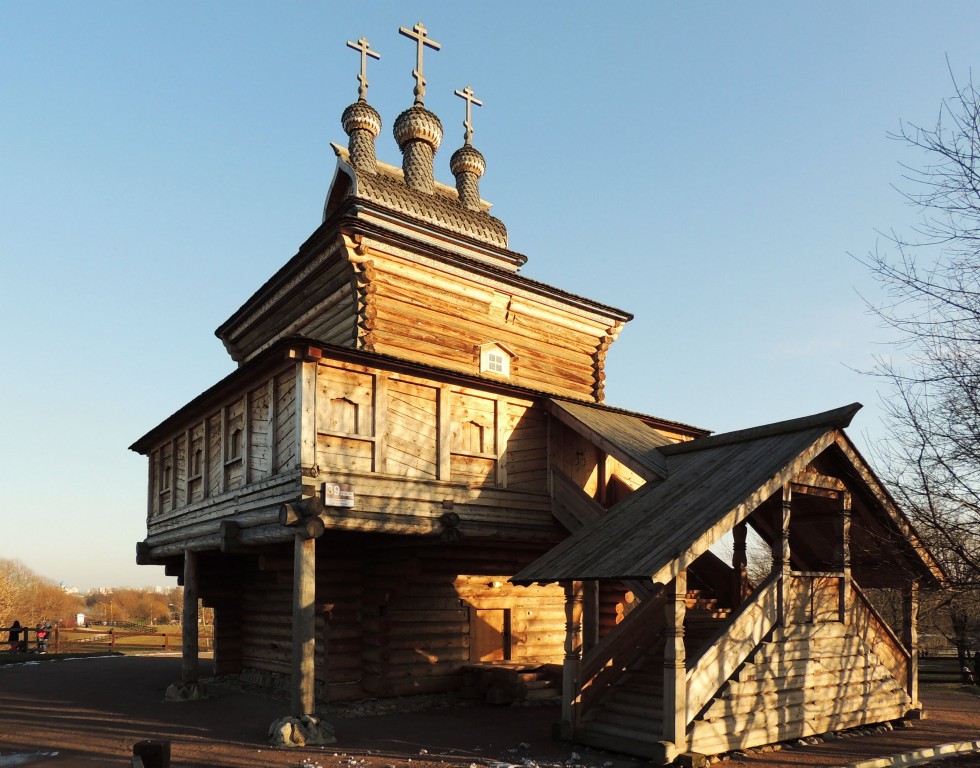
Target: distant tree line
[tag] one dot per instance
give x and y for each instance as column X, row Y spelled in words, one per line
column 31, row 599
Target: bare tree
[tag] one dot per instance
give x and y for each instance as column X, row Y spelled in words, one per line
column 931, row 284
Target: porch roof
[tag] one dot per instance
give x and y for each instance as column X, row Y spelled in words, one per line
column 709, row 485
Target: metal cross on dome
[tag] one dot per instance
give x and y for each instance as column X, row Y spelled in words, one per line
column 467, row 95
column 364, row 48
column 418, row 34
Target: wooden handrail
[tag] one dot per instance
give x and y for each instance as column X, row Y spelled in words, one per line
column 622, row 647
column 755, row 619
column 880, row 637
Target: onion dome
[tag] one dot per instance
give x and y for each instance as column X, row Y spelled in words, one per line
column 468, row 165
column 418, row 133
column 362, row 124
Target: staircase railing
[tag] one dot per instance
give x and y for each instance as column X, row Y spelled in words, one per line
column 879, row 636
column 755, row 619
column 620, row 649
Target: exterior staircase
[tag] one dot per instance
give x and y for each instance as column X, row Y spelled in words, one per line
column 629, row 716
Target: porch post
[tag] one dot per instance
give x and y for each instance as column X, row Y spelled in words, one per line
column 781, row 555
column 739, row 564
column 910, row 637
column 304, row 640
column 675, row 667
column 845, row 554
column 590, row 615
column 573, row 658
column 189, row 669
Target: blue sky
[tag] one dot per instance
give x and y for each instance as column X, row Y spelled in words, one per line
column 708, row 167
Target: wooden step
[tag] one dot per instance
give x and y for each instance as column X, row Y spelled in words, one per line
column 649, row 732
column 653, row 751
column 637, row 723
column 651, row 710
column 646, row 698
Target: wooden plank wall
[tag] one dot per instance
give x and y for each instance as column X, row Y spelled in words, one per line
column 246, row 440
column 369, row 420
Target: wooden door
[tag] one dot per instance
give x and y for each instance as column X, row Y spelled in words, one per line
column 489, row 634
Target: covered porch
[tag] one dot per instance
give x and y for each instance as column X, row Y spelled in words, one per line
column 709, row 662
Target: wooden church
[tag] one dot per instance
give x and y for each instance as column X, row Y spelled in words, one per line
column 412, row 475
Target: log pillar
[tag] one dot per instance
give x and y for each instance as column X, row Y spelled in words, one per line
column 304, row 638
column 675, row 667
column 910, row 638
column 739, row 564
column 574, row 599
column 190, row 668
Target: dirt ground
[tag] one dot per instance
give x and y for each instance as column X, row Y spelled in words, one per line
column 91, row 711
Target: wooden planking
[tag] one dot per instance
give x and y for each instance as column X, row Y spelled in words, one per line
column 286, row 438
column 344, row 454
column 411, row 444
column 259, row 436
column 345, row 401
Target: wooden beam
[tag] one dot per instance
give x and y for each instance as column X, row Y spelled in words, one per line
column 304, row 615
column 675, row 666
column 573, row 658
column 910, row 638
column 739, row 564
column 189, row 671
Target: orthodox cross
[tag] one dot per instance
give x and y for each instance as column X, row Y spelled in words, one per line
column 365, row 51
column 467, row 95
column 418, row 34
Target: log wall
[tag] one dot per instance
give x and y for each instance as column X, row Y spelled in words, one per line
column 394, row 619
column 428, row 312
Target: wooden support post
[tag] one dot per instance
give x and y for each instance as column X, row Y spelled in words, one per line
column 573, row 658
column 739, row 564
column 304, row 614
column 675, row 667
column 845, row 555
column 590, row 615
column 910, row 638
column 781, row 555
column 189, row 670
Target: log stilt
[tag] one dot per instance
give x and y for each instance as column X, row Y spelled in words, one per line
column 304, row 614
column 190, row 668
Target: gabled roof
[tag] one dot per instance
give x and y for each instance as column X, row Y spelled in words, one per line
column 710, row 485
column 627, row 437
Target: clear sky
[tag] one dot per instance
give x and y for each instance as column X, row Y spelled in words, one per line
column 706, row 166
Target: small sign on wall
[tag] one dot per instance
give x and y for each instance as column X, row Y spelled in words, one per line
column 337, row 494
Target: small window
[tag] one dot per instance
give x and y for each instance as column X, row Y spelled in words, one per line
column 494, row 359
column 197, row 462
column 495, row 362
column 236, row 444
